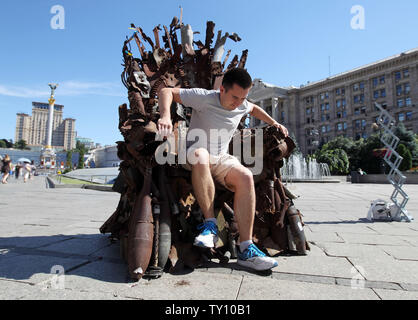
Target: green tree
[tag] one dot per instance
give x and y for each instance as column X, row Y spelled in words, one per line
column 9, row 143
column 82, row 150
column 336, row 159
column 68, row 163
column 369, row 160
column 404, row 152
column 3, row 144
column 407, row 138
column 81, row 160
column 351, row 147
column 21, row 144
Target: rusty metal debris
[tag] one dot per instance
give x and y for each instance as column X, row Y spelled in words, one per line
column 157, row 214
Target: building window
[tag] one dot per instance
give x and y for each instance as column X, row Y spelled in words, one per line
column 327, row 106
column 356, row 111
column 323, row 117
column 361, row 85
column 322, row 107
column 398, row 75
column 382, row 79
column 337, row 91
column 409, row 115
column 408, row 102
column 339, row 126
column 338, row 104
column 363, row 110
column 376, row 94
column 338, row 115
column 344, row 125
column 400, row 103
column 356, row 99
column 375, row 82
column 407, row 88
column 401, row 116
column 344, row 114
column 308, row 111
column 356, row 87
column 324, row 129
column 328, row 116
column 364, row 135
column 363, row 124
column 383, row 93
column 328, row 128
column 362, row 97
column 398, row 90
column 406, row 73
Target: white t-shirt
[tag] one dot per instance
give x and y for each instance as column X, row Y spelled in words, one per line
column 208, row 116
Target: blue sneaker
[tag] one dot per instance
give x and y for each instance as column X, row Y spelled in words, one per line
column 208, row 235
column 254, row 258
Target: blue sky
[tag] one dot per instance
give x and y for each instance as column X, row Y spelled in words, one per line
column 289, row 43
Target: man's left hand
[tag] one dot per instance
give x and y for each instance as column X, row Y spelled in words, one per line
column 282, row 128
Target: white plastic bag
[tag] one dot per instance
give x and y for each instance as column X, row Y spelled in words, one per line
column 379, row 210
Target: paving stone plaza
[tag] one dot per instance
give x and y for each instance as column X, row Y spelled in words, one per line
column 51, row 248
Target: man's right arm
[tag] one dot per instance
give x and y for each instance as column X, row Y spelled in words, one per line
column 165, row 99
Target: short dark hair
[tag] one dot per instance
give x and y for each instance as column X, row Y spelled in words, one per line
column 238, row 76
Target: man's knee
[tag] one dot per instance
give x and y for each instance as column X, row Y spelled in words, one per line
column 240, row 177
column 198, row 156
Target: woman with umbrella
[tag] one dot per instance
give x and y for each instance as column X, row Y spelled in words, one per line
column 5, row 169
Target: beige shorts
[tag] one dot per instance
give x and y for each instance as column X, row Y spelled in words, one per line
column 219, row 166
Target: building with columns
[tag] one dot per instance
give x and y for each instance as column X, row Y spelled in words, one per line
column 343, row 105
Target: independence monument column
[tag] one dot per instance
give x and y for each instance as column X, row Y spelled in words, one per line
column 48, row 157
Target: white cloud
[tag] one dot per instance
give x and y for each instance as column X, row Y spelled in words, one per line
column 65, row 88
column 22, row 92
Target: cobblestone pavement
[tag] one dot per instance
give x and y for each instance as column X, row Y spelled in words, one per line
column 51, row 248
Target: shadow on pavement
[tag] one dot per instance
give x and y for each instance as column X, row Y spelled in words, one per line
column 36, row 258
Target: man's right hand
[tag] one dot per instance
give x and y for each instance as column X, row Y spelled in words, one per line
column 164, row 127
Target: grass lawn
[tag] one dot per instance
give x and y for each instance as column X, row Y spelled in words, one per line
column 66, row 180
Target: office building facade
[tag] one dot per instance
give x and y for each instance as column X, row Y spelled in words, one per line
column 34, row 129
column 344, row 104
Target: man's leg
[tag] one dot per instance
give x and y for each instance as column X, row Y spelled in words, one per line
column 240, row 180
column 204, row 191
column 203, row 185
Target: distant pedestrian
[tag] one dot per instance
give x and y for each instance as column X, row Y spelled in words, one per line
column 5, row 168
column 33, row 169
column 361, row 172
column 18, row 169
column 26, row 171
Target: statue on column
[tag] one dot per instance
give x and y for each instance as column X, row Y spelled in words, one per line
column 53, row 87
